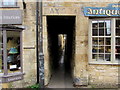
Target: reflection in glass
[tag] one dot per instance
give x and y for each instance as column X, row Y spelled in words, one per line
column 107, row 57
column 95, row 41
column 107, row 32
column 1, row 52
column 108, row 49
column 13, row 51
column 108, row 41
column 118, row 32
column 117, row 41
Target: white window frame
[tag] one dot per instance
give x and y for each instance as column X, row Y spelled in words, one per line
column 113, row 42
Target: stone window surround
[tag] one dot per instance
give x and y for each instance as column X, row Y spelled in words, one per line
column 8, row 6
column 113, row 28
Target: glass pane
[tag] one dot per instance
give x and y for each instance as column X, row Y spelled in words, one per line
column 101, row 24
column 117, row 27
column 8, row 2
column 95, row 24
column 108, row 41
column 95, row 49
column 117, row 41
column 95, row 57
column 101, row 32
column 95, row 41
column 101, row 41
column 118, row 32
column 117, row 49
column 107, row 32
column 13, row 51
column 117, row 56
column 101, row 49
column 107, row 57
column 101, row 57
column 1, row 52
column 107, row 23
column 108, row 49
column 95, row 32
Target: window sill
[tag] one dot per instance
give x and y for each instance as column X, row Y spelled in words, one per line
column 11, row 77
column 9, row 7
column 105, row 63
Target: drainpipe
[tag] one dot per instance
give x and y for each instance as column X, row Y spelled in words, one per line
column 41, row 55
column 37, row 15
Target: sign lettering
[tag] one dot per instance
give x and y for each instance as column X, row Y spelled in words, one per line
column 111, row 10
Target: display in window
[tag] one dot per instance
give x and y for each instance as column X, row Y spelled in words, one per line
column 95, row 57
column 95, row 49
column 95, row 41
column 13, row 51
column 108, row 49
column 108, row 41
column 101, row 41
column 101, row 49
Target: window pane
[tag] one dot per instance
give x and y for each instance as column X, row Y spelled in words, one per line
column 1, row 52
column 108, row 41
column 101, row 24
column 101, row 57
column 95, row 57
column 108, row 49
column 101, row 49
column 9, row 2
column 107, row 32
column 101, row 41
column 117, row 27
column 107, row 57
column 101, row 32
column 95, row 49
column 117, row 49
column 13, row 51
column 117, row 57
column 117, row 41
column 95, row 41
column 95, row 32
column 95, row 28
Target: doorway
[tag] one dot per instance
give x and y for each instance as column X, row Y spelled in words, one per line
column 61, row 46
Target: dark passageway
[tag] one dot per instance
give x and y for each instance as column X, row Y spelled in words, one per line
column 61, row 25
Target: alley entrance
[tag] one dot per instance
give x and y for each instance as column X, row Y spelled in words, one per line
column 61, row 41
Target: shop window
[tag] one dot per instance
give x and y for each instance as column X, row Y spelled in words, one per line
column 10, row 55
column 8, row 3
column 105, row 40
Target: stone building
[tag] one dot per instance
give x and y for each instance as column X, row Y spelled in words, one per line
column 92, row 48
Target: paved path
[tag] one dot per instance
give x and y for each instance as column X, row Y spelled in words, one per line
column 60, row 78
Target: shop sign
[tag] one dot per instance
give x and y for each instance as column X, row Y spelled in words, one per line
column 10, row 17
column 112, row 10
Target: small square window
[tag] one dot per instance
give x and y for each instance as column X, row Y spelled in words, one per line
column 8, row 3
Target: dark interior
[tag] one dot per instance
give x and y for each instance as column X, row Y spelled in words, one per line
column 61, row 25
